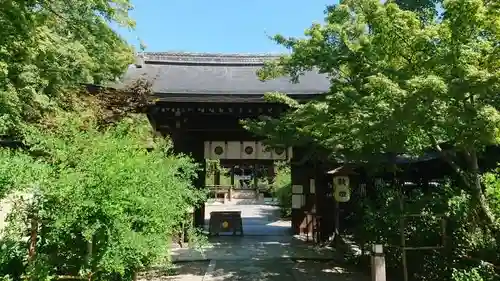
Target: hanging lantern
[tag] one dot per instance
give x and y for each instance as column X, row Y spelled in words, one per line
column 342, row 192
column 341, row 189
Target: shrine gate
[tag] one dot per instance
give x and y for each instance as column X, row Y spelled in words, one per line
column 201, row 100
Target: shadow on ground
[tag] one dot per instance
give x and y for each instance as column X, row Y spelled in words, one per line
column 178, row 272
column 255, row 269
column 255, row 247
column 283, row 270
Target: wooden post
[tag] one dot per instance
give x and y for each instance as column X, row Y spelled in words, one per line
column 255, row 182
column 33, row 238
column 230, row 194
column 88, row 258
column 217, row 178
column 336, row 221
column 402, row 235
column 378, row 263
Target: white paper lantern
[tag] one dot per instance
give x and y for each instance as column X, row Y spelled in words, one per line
column 342, row 191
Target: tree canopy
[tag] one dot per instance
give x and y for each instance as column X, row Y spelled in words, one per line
column 399, row 84
column 106, row 196
column 47, row 47
column 417, row 5
column 99, row 188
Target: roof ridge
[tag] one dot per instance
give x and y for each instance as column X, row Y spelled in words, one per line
column 217, row 54
column 204, row 58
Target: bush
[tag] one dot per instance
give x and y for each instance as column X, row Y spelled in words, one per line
column 282, row 189
column 477, row 273
column 469, row 250
column 12, row 258
column 104, row 205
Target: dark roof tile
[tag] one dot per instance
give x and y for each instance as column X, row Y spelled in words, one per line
column 184, row 73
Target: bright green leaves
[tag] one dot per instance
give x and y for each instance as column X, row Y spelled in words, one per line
column 19, row 171
column 48, row 47
column 397, row 81
column 103, row 187
column 418, row 6
column 96, row 182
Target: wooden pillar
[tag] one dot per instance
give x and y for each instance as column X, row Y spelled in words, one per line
column 255, row 178
column 297, row 212
column 300, row 189
column 217, row 177
column 231, row 188
column 232, row 175
column 324, row 200
column 194, row 147
column 271, row 175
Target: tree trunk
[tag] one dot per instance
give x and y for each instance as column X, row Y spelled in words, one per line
column 478, row 194
column 33, row 238
column 472, row 179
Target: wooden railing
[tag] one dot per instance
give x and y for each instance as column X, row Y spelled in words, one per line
column 225, row 190
column 229, row 192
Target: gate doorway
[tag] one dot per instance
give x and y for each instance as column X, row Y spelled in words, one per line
column 241, row 186
column 200, row 99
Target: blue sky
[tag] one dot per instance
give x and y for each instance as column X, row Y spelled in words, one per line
column 222, row 26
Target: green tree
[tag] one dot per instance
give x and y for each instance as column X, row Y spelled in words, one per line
column 102, row 201
column 105, row 204
column 417, row 5
column 49, row 47
column 282, row 188
column 398, row 85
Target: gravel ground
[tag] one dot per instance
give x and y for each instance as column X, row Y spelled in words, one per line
column 186, row 271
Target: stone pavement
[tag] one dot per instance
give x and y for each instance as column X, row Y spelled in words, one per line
column 244, row 248
column 267, row 252
column 258, row 270
column 258, row 219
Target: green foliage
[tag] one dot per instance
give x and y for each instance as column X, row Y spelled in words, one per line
column 282, row 189
column 492, row 190
column 469, row 251
column 479, row 273
column 212, row 168
column 418, row 5
column 12, row 258
column 106, row 190
column 400, row 83
column 397, row 83
column 47, row 47
column 103, row 203
column 16, row 169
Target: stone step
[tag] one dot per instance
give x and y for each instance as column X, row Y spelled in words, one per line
column 244, row 194
column 252, row 201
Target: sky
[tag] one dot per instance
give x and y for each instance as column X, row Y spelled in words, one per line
column 220, row 26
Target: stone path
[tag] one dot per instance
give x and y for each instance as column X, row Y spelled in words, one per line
column 244, row 248
column 258, row 219
column 267, row 252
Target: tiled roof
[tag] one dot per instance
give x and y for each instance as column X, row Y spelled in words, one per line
column 216, row 74
column 208, row 58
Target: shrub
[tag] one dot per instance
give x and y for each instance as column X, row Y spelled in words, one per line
column 103, row 204
column 282, row 189
column 376, row 220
